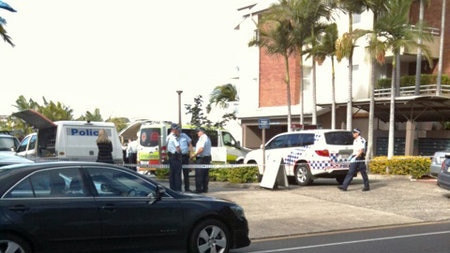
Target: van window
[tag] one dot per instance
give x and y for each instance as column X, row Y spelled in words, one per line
column 31, row 139
column 194, row 137
column 228, row 139
column 150, row 137
column 278, row 142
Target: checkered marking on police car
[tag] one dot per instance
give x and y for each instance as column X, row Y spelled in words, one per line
column 334, row 162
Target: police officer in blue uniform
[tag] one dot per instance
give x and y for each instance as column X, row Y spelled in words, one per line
column 175, row 156
column 202, row 156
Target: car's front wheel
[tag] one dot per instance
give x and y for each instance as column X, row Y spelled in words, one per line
column 13, row 244
column 210, row 236
column 302, row 174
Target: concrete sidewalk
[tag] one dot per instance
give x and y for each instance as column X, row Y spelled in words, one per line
column 321, row 207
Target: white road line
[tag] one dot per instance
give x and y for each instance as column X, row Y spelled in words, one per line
column 352, row 242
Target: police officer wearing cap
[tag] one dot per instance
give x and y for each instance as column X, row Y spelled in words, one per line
column 202, row 155
column 357, row 162
column 185, row 146
column 175, row 156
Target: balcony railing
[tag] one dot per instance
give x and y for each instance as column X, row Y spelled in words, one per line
column 425, row 90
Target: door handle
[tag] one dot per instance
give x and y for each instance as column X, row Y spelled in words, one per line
column 19, row 208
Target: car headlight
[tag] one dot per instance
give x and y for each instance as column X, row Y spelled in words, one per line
column 238, row 211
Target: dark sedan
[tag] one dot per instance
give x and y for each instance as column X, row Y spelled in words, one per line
column 444, row 175
column 95, row 207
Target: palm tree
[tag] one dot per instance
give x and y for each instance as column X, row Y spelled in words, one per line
column 378, row 7
column 317, row 28
column 326, row 48
column 393, row 33
column 441, row 48
column 302, row 16
column 274, row 35
column 345, row 46
column 3, row 32
column 223, row 94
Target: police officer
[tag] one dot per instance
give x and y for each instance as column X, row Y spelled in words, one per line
column 185, row 146
column 357, row 161
column 174, row 152
column 202, row 155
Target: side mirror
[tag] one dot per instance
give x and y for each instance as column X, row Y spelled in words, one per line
column 159, row 192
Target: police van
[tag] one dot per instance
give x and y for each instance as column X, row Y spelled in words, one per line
column 65, row 140
column 152, row 143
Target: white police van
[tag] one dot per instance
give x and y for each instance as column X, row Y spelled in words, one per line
column 65, row 140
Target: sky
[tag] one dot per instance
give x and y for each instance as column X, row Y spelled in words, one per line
column 126, row 58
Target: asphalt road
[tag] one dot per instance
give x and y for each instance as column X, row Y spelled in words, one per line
column 416, row 238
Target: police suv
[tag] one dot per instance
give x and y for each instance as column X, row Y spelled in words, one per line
column 307, row 154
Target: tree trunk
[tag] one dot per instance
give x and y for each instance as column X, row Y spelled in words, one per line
column 419, row 52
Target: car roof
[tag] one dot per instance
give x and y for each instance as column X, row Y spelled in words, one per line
column 315, row 131
column 7, row 135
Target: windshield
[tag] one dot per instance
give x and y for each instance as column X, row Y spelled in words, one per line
column 150, row 137
column 7, row 143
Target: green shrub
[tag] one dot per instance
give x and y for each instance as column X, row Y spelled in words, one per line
column 405, row 81
column 244, row 174
column 415, row 166
column 162, row 173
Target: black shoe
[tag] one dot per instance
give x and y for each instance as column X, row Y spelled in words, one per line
column 366, row 189
column 198, row 191
column 342, row 188
column 187, row 190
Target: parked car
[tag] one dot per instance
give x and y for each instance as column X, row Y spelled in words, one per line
column 96, row 207
column 444, row 175
column 436, row 162
column 307, row 154
column 8, row 143
column 11, row 158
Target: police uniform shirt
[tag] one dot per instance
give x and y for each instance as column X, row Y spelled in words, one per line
column 172, row 143
column 204, row 142
column 184, row 141
column 358, row 144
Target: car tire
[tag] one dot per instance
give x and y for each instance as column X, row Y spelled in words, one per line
column 12, row 243
column 302, row 174
column 210, row 236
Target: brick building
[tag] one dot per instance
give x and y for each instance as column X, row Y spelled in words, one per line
column 263, row 92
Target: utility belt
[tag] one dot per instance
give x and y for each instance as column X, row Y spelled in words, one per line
column 174, row 155
column 205, row 156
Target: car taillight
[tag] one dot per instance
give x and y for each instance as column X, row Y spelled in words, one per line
column 163, row 154
column 324, row 152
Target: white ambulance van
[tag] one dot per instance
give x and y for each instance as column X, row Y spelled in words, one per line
column 152, row 143
column 65, row 140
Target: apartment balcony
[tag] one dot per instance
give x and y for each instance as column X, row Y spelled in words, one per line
column 425, row 90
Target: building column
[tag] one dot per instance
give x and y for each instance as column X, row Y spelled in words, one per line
column 410, row 137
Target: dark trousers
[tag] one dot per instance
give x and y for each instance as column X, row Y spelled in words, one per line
column 202, row 174
column 175, row 171
column 354, row 167
column 132, row 160
column 185, row 161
